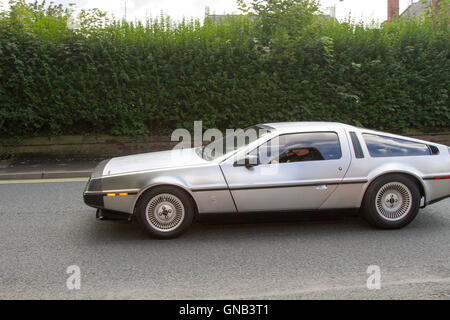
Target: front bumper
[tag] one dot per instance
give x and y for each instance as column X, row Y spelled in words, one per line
column 92, row 194
column 120, row 207
column 107, row 215
column 120, row 201
column 94, row 200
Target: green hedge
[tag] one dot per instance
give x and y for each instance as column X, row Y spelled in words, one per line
column 131, row 78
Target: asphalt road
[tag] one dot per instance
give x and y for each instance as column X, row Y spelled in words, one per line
column 45, row 227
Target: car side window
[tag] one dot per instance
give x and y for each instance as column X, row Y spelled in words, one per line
column 298, row 147
column 382, row 146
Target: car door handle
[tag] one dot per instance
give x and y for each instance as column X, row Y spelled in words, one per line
column 322, row 187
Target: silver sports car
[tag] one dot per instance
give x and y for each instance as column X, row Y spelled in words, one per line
column 283, row 167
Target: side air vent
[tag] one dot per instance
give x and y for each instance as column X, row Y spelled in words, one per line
column 434, row 149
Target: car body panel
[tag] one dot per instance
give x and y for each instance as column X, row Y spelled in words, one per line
column 153, row 161
column 287, row 186
column 192, row 179
column 218, row 186
column 417, row 166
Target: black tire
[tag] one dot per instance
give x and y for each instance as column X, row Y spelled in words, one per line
column 396, row 190
column 165, row 219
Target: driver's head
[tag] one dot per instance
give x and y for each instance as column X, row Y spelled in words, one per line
column 299, row 149
column 301, row 152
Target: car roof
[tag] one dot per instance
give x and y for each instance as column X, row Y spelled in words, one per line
column 305, row 125
column 330, row 126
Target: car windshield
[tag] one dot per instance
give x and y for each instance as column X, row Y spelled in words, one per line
column 231, row 142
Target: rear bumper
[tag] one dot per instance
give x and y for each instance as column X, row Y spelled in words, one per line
column 438, row 199
column 439, row 189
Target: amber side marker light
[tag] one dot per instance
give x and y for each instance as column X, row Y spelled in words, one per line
column 117, row 194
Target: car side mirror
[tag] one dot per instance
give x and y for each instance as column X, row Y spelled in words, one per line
column 248, row 161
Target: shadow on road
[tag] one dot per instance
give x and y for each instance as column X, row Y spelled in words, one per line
column 235, row 226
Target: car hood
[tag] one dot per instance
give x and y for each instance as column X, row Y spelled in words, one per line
column 153, row 161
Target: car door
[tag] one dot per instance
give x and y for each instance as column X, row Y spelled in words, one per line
column 295, row 171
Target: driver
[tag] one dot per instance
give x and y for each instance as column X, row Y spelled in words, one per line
column 297, row 152
column 296, row 155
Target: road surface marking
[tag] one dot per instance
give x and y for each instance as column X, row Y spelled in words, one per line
column 44, row 180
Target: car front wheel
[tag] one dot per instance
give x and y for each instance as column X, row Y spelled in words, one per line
column 165, row 212
column 391, row 202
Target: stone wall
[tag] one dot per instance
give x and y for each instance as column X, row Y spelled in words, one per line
column 82, row 147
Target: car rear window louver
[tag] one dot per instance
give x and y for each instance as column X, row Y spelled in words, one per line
column 434, row 149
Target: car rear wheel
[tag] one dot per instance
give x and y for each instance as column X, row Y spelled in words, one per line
column 165, row 212
column 391, row 202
